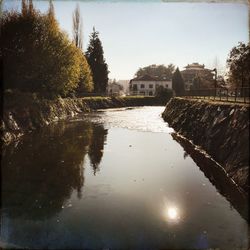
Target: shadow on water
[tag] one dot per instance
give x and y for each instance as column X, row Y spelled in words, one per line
column 40, row 173
column 217, row 176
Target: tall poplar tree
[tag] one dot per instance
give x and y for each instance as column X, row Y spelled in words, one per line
column 77, row 27
column 97, row 63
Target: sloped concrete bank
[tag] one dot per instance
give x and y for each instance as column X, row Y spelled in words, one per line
column 221, row 129
column 24, row 112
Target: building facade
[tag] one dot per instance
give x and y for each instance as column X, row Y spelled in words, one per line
column 115, row 89
column 147, row 85
column 193, row 70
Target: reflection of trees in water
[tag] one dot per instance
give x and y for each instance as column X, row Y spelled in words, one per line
column 39, row 175
column 95, row 153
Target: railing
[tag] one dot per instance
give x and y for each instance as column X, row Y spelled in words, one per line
column 220, row 94
column 142, row 93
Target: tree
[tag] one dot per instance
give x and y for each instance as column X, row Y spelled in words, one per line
column 97, row 63
column 203, row 80
column 178, row 83
column 77, row 27
column 37, row 55
column 159, row 71
column 238, row 64
column 196, row 82
column 86, row 79
column 163, row 94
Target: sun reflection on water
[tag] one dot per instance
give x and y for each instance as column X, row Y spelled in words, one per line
column 172, row 214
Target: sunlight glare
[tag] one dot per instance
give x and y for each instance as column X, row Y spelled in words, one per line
column 172, row 213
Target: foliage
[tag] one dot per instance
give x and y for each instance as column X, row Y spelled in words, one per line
column 196, row 83
column 163, row 93
column 160, row 71
column 238, row 64
column 97, row 63
column 203, row 80
column 37, row 55
column 178, row 83
column 86, row 80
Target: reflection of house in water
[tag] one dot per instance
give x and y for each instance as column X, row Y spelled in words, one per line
column 147, row 85
column 193, row 70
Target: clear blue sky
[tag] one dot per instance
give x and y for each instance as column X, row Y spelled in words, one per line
column 137, row 34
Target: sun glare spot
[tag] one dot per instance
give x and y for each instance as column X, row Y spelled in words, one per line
column 172, row 214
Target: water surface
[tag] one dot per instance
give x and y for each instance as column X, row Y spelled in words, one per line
column 113, row 179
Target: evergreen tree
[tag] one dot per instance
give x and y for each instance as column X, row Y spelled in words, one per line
column 97, row 63
column 178, row 83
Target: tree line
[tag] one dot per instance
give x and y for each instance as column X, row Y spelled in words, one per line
column 237, row 76
column 38, row 57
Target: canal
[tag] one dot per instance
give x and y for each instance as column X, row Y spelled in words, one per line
column 115, row 179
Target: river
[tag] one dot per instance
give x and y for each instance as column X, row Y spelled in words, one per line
column 114, row 179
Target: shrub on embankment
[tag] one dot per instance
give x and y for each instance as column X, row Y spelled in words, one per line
column 23, row 112
column 221, row 129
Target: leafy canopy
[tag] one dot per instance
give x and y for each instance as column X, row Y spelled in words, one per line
column 238, row 64
column 159, row 71
column 37, row 55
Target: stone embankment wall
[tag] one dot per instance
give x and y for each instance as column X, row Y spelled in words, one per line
column 221, row 129
column 24, row 112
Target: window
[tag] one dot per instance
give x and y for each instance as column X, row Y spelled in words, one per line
column 150, row 86
column 142, row 86
column 134, row 87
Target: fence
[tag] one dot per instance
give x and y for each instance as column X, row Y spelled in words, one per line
column 220, row 94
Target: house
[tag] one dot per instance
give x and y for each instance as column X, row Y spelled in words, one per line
column 114, row 89
column 147, row 85
column 193, row 70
